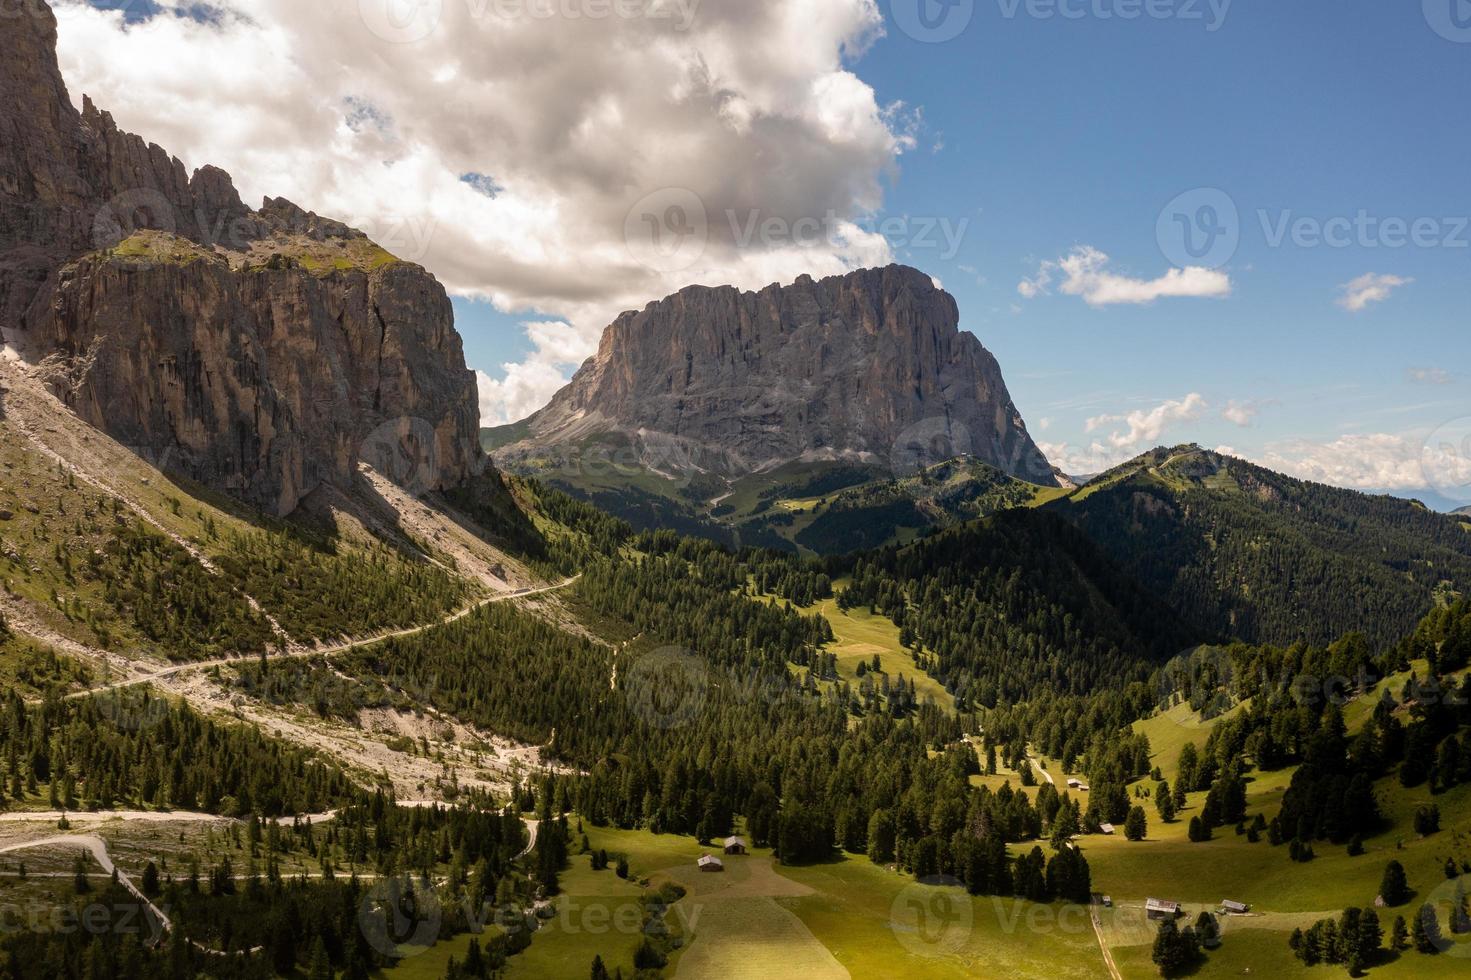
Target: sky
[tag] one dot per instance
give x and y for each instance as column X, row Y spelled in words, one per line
column 1242, row 223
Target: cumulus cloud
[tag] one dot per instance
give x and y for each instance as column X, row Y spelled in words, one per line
column 1147, row 426
column 1081, row 460
column 530, row 384
column 1369, row 288
column 505, row 145
column 1379, row 461
column 1084, row 272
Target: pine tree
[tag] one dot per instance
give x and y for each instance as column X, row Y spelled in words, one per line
column 1371, row 935
column 1137, row 826
column 1164, row 803
column 1394, row 888
column 599, row 971
column 1208, row 930
column 320, row 967
column 1399, row 935
column 1174, row 951
column 1425, row 932
column 1460, row 915
column 150, row 880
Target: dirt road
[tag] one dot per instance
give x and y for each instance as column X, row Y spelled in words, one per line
column 324, row 650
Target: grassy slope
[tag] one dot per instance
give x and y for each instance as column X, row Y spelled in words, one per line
column 760, row 920
column 858, row 635
column 867, row 916
column 1284, row 895
column 48, row 506
column 594, row 903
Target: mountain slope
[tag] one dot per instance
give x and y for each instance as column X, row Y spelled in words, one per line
column 869, row 368
column 1246, row 553
column 1018, row 603
column 262, row 353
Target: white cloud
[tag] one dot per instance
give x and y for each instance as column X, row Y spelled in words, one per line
column 530, row 384
column 1240, row 413
column 1429, row 376
column 1036, row 286
column 1146, row 427
column 1084, row 272
column 562, row 123
column 1369, row 288
column 1081, row 461
column 1379, row 461
column 1244, row 414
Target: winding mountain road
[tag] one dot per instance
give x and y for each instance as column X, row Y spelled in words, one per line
column 531, row 828
column 97, row 847
column 326, row 650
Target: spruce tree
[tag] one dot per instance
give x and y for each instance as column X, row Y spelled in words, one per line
column 1394, row 888
column 1164, row 803
column 1399, row 935
column 1371, row 935
column 1460, row 916
column 1425, row 932
column 1137, row 826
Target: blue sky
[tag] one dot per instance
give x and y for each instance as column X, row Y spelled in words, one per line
column 1041, row 142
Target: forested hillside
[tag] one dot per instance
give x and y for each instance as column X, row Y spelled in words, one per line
column 1017, row 604
column 1244, row 553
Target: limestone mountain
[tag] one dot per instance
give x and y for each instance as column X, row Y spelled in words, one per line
column 262, row 352
column 869, row 368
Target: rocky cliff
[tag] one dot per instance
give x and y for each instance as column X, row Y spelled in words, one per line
column 870, row 367
column 261, row 352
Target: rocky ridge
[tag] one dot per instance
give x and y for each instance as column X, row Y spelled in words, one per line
column 261, row 352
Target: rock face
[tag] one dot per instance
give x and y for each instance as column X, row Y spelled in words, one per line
column 870, row 366
column 262, row 353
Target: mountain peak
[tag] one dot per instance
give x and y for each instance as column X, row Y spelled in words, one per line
column 869, row 366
